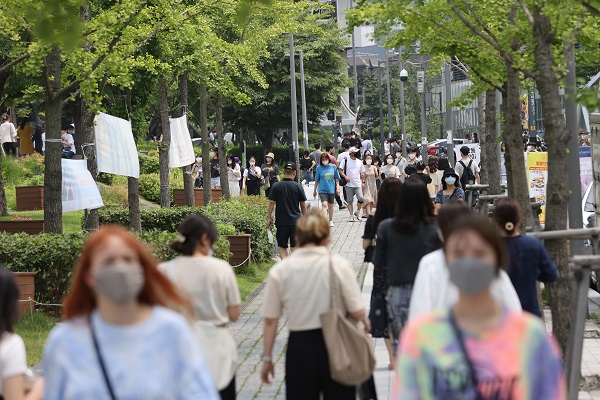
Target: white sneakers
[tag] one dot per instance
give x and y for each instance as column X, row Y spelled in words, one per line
column 357, row 215
column 352, row 218
column 331, row 224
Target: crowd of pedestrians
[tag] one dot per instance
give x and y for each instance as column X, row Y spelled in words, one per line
column 454, row 294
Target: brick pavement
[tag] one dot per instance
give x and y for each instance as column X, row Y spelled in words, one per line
column 247, row 331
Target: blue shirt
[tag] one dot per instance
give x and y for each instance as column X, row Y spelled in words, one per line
column 529, row 262
column 326, row 176
column 159, row 358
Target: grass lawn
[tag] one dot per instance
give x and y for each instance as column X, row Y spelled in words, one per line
column 34, row 333
column 71, row 220
column 249, row 278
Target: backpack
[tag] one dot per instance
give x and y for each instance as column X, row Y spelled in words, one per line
column 467, row 177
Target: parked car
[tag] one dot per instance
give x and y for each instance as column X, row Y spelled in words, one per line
column 440, row 146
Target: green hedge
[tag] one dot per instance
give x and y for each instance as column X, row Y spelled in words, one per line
column 54, row 257
column 247, row 214
column 148, row 165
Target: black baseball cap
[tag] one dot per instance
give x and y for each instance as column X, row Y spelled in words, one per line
column 465, row 150
column 290, row 165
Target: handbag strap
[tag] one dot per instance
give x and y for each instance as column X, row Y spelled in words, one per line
column 333, row 283
column 463, row 349
column 101, row 361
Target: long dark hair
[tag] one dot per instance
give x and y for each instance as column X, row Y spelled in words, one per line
column 432, row 162
column 24, row 122
column 443, row 164
column 414, row 207
column 389, row 193
column 232, row 158
column 9, row 294
column 191, row 231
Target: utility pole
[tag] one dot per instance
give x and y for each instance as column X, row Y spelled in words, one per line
column 303, row 95
column 448, row 83
column 381, row 130
column 421, row 90
column 389, row 95
column 574, row 206
column 354, row 73
column 294, row 106
column 402, row 116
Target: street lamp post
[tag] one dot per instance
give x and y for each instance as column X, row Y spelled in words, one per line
column 303, row 95
column 389, row 95
column 381, row 130
column 403, row 77
column 294, row 105
column 450, row 141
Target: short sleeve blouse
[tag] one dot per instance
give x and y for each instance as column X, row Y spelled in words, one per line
column 13, row 361
column 442, row 198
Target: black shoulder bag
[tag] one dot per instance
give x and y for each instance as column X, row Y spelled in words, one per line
column 343, row 181
column 101, row 361
column 463, row 349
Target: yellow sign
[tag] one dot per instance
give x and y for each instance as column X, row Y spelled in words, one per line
column 537, row 176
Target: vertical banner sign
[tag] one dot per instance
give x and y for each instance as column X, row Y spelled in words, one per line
column 585, row 165
column 532, row 112
column 115, row 147
column 181, row 151
column 537, row 175
column 525, row 112
column 596, row 170
column 79, row 190
column 420, row 81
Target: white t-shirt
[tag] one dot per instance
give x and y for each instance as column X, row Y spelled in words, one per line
column 353, row 171
column 209, row 282
column 69, row 139
column 13, row 361
column 249, row 171
column 459, row 168
column 300, row 284
column 433, row 290
column 341, row 157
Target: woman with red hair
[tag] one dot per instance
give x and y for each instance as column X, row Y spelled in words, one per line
column 119, row 340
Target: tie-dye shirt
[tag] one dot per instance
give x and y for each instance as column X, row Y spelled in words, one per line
column 515, row 361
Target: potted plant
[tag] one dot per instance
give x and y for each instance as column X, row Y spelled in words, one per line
column 26, row 225
column 30, row 198
column 239, row 244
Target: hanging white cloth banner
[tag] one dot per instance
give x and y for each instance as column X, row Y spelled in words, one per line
column 181, row 151
column 115, row 148
column 79, row 190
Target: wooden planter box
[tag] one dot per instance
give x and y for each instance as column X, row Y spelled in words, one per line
column 239, row 247
column 179, row 196
column 30, row 198
column 26, row 287
column 31, row 227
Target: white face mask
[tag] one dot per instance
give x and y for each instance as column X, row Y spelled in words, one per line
column 212, row 154
column 369, row 161
column 252, row 163
column 390, row 160
column 326, row 163
column 198, row 160
column 269, row 159
column 529, row 148
column 411, row 156
column 229, row 162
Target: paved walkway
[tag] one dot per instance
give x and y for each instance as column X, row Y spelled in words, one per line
column 346, row 240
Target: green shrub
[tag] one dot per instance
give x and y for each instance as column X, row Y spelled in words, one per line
column 54, row 257
column 149, row 185
column 248, row 214
column 105, row 178
column 153, row 153
column 148, row 165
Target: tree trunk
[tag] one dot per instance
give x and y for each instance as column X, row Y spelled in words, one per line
column 268, row 145
column 3, row 205
column 557, row 195
column 86, row 131
column 205, row 144
column 163, row 147
column 188, row 182
column 490, row 144
column 221, row 147
column 53, row 164
column 133, row 200
column 518, row 187
column 481, row 125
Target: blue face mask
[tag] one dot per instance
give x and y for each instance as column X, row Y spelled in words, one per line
column 450, row 180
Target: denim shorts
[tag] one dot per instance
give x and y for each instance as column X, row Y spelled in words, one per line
column 351, row 192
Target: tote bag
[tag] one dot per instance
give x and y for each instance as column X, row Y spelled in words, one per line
column 349, row 349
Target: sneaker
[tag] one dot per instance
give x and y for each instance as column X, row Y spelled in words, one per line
column 331, row 224
column 351, row 219
column 343, row 207
column 357, row 215
column 365, row 216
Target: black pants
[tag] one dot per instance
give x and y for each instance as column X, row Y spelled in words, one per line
column 10, row 148
column 338, row 200
column 229, row 392
column 252, row 188
column 307, row 369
